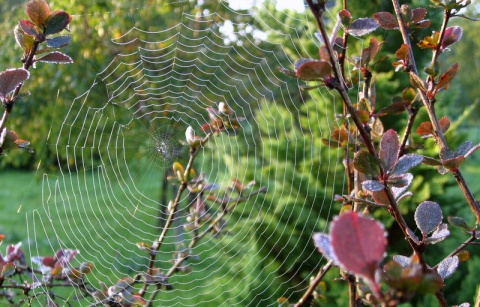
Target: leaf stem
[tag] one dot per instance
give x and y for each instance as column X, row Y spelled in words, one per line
column 313, row 285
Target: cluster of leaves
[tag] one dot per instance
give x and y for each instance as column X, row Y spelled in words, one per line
column 380, row 178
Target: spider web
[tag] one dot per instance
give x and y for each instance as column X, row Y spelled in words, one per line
column 116, row 145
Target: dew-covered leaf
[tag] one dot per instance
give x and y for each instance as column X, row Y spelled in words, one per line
column 398, row 191
column 451, row 36
column 440, row 234
column 400, row 181
column 56, row 58
column 38, row 11
column 428, row 216
column 386, row 20
column 359, row 243
column 59, row 41
column 389, row 149
column 464, row 148
column 362, row 26
column 447, row 267
column 366, row 163
column 472, row 150
column 403, row 261
column 322, row 242
column 406, row 162
column 10, row 79
column 28, row 27
column 458, row 222
column 56, row 22
column 313, row 70
column 373, row 185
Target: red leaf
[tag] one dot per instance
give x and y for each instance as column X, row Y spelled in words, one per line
column 359, row 243
column 345, row 17
column 56, row 57
column 444, row 124
column 386, row 20
column 389, row 149
column 425, row 128
column 38, row 11
column 10, row 79
column 28, row 27
column 309, row 70
column 446, row 78
column 402, row 52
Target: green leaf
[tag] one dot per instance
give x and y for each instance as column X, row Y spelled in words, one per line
column 38, row 11
column 458, row 222
column 409, row 94
column 57, row 22
column 394, row 108
column 366, row 163
column 406, row 12
column 24, row 40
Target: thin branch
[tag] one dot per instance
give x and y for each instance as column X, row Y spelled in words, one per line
column 313, row 285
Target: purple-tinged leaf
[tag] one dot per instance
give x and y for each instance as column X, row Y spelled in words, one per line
column 447, row 267
column 59, row 41
column 386, row 20
column 446, row 78
column 366, row 163
column 373, row 185
column 8, row 269
column 431, row 161
column 10, row 79
column 28, row 27
column 38, row 11
column 311, row 70
column 322, row 242
column 451, row 36
column 412, row 236
column 403, row 261
column 458, row 222
column 56, row 22
column 440, row 234
column 418, row 14
column 428, row 216
column 463, row 149
column 362, row 26
column 389, row 149
column 56, row 58
column 288, row 72
column 406, row 162
column 400, row 181
column 359, row 243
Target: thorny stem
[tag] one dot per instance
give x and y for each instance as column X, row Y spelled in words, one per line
column 313, row 285
column 460, row 248
column 197, row 237
column 429, row 103
column 9, row 102
column 172, row 211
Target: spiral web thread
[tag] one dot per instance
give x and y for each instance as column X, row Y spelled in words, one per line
column 114, row 153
